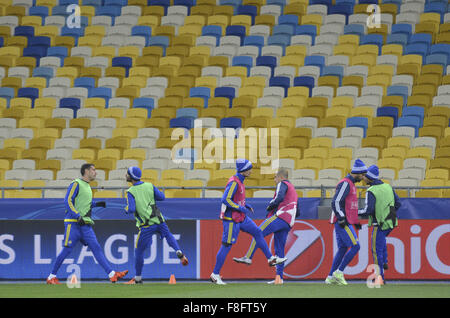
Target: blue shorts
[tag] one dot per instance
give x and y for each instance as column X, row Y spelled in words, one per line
column 346, row 236
column 231, row 229
column 75, row 232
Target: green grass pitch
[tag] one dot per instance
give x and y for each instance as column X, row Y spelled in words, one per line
column 231, row 290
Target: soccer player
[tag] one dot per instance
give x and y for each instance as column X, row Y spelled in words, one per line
column 78, row 224
column 235, row 216
column 141, row 197
column 282, row 211
column 381, row 205
column 345, row 217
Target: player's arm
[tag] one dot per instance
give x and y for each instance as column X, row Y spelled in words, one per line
column 228, row 196
column 69, row 200
column 338, row 202
column 279, row 196
column 159, row 195
column 131, row 204
column 369, row 208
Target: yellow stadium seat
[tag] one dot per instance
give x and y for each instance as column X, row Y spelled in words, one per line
column 106, row 194
column 84, row 154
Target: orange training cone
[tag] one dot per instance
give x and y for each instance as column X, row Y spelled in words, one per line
column 172, row 280
column 278, row 280
column 73, row 279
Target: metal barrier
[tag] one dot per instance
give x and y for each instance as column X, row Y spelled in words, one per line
column 323, row 189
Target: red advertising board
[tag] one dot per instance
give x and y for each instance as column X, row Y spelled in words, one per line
column 417, row 249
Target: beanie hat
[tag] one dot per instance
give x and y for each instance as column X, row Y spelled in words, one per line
column 135, row 173
column 372, row 172
column 243, row 165
column 359, row 167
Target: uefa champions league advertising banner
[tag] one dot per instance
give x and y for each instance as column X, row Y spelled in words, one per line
column 29, row 248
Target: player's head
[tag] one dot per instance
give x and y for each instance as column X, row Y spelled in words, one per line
column 358, row 170
column 133, row 174
column 244, row 167
column 372, row 174
column 282, row 174
column 88, row 172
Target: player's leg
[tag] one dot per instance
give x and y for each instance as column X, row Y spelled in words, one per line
column 172, row 241
column 342, row 249
column 71, row 237
column 279, row 239
column 376, row 248
column 143, row 240
column 229, row 237
column 266, row 230
column 249, row 226
column 350, row 239
column 89, row 237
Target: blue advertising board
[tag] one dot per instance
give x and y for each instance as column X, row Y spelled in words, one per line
column 28, row 249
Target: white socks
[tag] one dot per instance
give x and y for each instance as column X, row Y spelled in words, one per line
column 111, row 274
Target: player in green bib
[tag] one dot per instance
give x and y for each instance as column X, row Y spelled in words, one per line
column 78, row 224
column 141, row 201
column 381, row 205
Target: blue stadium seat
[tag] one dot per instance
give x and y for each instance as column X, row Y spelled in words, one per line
column 60, row 10
column 224, row 91
column 94, row 3
column 144, row 102
column 281, row 81
column 86, row 82
column 142, row 30
column 397, row 38
column 40, row 11
column 398, row 90
column 236, row 30
column 43, row 71
column 1, row 41
column 437, row 58
column 35, row 51
column 182, row 122
column 101, row 92
column 230, row 122
column 368, row 1
column 441, row 48
column 246, row 61
column 267, row 60
column 43, row 41
column 334, row 70
column 438, row 7
column 28, row 92
column 250, row 10
column 362, row 122
column 123, row 61
column 187, row 112
column 418, row 49
column 73, row 32
column 343, row 8
column 67, row 2
column 307, row 81
column 289, row 19
column 315, row 60
column 388, row 111
column 353, row 28
column 410, row 121
column 111, row 11
column 72, row 103
column 234, row 3
column 58, row 51
column 417, row 111
column 213, row 30
column 376, row 39
column 24, row 30
column 7, row 93
column 280, row 40
column 281, row 3
column 255, row 40
column 203, row 92
column 159, row 40
column 424, row 38
column 402, row 28
column 283, row 29
column 328, row 3
column 307, row 29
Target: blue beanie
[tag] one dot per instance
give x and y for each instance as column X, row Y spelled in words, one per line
column 359, row 167
column 372, row 172
column 243, row 165
column 135, row 173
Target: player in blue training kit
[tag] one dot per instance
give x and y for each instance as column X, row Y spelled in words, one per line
column 78, row 224
column 235, row 216
column 282, row 211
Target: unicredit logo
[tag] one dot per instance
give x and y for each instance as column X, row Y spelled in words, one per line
column 305, row 250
